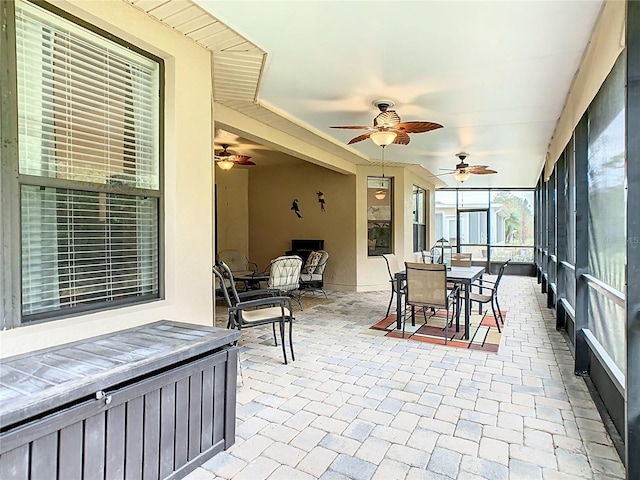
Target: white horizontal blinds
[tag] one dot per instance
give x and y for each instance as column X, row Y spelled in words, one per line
column 86, row 247
column 88, row 113
column 92, row 102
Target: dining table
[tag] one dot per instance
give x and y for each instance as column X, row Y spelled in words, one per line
column 464, row 276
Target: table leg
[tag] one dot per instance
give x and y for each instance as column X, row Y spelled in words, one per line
column 467, row 310
column 479, row 304
column 398, row 302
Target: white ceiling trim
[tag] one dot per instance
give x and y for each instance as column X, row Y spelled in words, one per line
column 237, row 63
column 237, row 67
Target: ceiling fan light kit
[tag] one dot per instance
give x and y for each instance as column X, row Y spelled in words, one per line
column 462, row 176
column 383, row 137
column 225, row 164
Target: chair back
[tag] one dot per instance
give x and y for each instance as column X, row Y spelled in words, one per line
column 236, row 261
column 322, row 264
column 461, row 259
column 393, row 266
column 224, row 276
column 500, row 273
column 426, row 284
column 284, row 273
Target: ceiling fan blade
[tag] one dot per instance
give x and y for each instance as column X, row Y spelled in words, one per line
column 441, row 174
column 387, row 119
column 359, row 138
column 477, row 167
column 243, row 160
column 417, row 127
column 401, row 138
column 483, row 172
column 354, row 127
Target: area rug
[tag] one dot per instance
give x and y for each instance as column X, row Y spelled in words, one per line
column 482, row 329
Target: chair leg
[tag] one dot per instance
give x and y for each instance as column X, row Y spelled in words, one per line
column 293, row 357
column 495, row 316
column 275, row 337
column 296, row 299
column 499, row 311
column 284, row 350
column 404, row 320
column 413, row 316
column 390, row 302
column 446, row 327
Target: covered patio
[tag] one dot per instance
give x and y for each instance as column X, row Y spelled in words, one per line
column 356, row 404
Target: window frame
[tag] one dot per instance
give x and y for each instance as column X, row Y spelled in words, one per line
column 387, row 223
column 12, row 181
column 417, row 224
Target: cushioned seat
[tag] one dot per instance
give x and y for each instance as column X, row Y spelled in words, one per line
column 312, row 275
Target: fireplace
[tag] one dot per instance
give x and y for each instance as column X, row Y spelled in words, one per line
column 303, row 248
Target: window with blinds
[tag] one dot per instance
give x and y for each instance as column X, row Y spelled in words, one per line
column 419, row 219
column 89, row 167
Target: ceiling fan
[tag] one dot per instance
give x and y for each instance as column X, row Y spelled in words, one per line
column 463, row 170
column 389, row 121
column 227, row 159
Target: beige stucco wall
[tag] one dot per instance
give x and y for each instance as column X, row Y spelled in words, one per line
column 372, row 271
column 232, row 212
column 188, row 217
column 273, row 225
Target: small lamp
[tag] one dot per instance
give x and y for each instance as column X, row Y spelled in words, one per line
column 225, row 164
column 443, row 247
column 381, row 194
column 462, row 176
column 383, row 138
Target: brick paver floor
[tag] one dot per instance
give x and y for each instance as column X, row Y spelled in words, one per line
column 358, row 405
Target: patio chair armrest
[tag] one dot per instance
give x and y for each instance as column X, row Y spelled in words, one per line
column 483, row 287
column 261, row 302
column 254, row 266
column 252, row 294
column 454, row 291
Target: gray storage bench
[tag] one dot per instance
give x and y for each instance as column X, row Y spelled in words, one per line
column 151, row 402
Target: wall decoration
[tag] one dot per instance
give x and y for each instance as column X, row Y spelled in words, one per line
column 295, row 208
column 321, row 200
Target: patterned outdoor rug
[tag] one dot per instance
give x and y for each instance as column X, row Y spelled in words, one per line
column 483, row 332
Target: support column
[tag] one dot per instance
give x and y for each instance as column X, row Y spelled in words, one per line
column 632, row 434
column 582, row 247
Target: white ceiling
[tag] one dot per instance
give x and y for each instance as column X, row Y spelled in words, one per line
column 494, row 73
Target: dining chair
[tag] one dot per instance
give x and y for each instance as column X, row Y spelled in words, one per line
column 245, row 310
column 426, row 256
column 427, row 288
column 461, row 259
column 492, row 297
